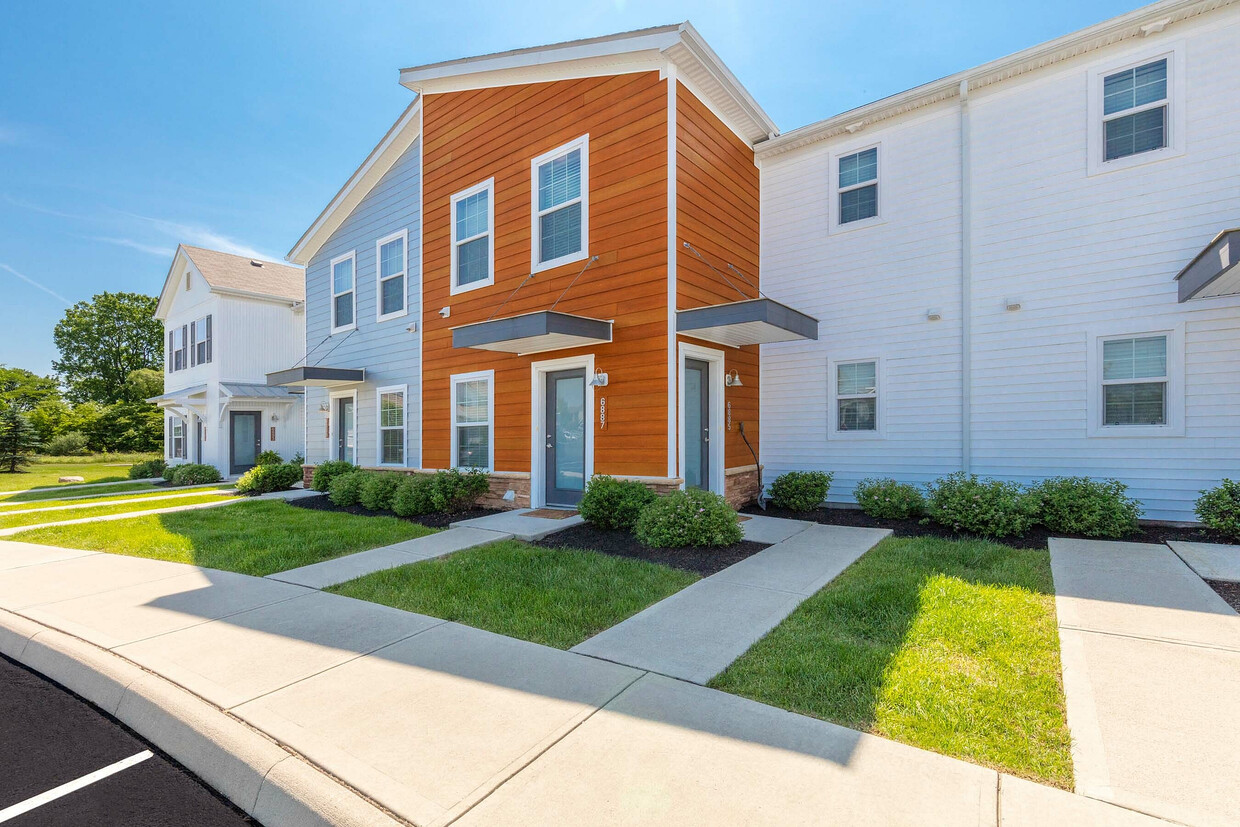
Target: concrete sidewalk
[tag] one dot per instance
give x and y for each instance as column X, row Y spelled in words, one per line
column 1151, row 670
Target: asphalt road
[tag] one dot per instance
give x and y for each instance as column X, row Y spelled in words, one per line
column 50, row 737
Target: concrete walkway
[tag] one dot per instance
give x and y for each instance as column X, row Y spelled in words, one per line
column 1151, row 673
column 696, row 633
column 517, row 523
column 344, row 569
column 1212, row 561
column 88, row 503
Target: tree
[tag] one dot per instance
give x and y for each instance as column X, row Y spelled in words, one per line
column 142, row 384
column 128, row 427
column 24, row 390
column 102, row 341
column 17, row 439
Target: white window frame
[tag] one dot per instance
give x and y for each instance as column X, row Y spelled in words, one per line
column 331, row 289
column 582, row 143
column 178, row 425
column 1175, row 103
column 489, row 187
column 1174, row 399
column 834, row 173
column 181, row 332
column 833, row 399
column 200, row 327
column 403, row 236
column 403, row 390
column 457, row 379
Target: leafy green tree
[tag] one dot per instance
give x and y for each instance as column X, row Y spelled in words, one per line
column 142, row 384
column 25, row 390
column 105, row 339
column 17, row 439
column 128, row 427
column 48, row 418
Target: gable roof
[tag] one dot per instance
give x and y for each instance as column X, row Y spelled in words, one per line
column 236, row 275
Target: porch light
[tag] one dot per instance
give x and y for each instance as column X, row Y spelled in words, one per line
column 324, row 407
column 599, row 380
column 732, row 379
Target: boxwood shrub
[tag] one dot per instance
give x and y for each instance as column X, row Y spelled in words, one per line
column 269, row 457
column 989, row 508
column 192, row 473
column 1219, row 508
column 413, row 496
column 377, row 490
column 325, row 473
column 453, row 491
column 612, row 504
column 147, row 470
column 800, row 490
column 263, row 479
column 888, row 499
column 1093, row 508
column 688, row 518
column 346, row 488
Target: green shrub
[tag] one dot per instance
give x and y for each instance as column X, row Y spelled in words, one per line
column 377, row 490
column 346, row 489
column 614, row 504
column 888, row 499
column 453, row 491
column 263, row 479
column 147, row 470
column 1093, row 508
column 800, row 490
column 298, row 459
column 688, row 518
column 989, row 508
column 413, row 496
column 1219, row 508
column 192, row 473
column 325, row 473
column 70, row 443
column 269, row 457
column 170, row 473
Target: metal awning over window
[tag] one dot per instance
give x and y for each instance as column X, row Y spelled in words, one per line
column 316, row 377
column 1215, row 271
column 533, row 333
column 183, row 397
column 751, row 322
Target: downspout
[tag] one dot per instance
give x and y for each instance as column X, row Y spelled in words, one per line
column 966, row 285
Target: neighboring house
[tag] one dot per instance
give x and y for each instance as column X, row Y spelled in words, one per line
column 228, row 321
column 549, row 269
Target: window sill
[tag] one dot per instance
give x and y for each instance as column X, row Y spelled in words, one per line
column 456, row 289
column 398, row 315
column 1140, row 159
column 1136, row 431
column 856, row 435
column 344, row 329
column 859, row 224
column 562, row 260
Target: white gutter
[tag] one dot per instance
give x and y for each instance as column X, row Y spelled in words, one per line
column 966, row 284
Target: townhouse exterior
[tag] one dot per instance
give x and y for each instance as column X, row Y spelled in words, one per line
column 602, row 257
column 228, row 321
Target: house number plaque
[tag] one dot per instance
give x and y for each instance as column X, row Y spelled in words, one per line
column 729, row 416
column 602, row 413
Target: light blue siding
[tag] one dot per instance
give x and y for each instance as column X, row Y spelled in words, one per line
column 387, row 350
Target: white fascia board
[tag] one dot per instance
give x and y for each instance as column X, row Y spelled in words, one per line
column 180, row 260
column 625, row 64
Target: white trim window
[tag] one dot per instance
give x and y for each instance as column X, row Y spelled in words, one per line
column 473, row 250
column 857, row 186
column 560, row 189
column 177, row 431
column 473, row 420
column 200, row 341
column 1137, row 384
column 1134, row 110
column 390, row 415
column 391, row 267
column 855, row 407
column 343, row 275
column 178, row 358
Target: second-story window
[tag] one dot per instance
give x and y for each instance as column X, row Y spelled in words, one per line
column 473, row 254
column 177, row 352
column 390, row 253
column 1134, row 110
column 200, row 341
column 858, row 185
column 342, row 274
column 561, row 204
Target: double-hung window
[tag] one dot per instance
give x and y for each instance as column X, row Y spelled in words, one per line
column 856, row 396
column 561, row 208
column 200, row 341
column 178, row 353
column 178, row 438
column 858, row 186
column 390, row 253
column 473, row 254
column 342, row 281
column 1134, row 110
column 473, row 420
column 1134, row 381
column 391, row 417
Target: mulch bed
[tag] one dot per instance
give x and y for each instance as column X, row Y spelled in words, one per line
column 1230, row 592
column 322, row 503
column 1034, row 539
column 703, row 561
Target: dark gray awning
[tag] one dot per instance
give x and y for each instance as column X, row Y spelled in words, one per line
column 533, row 333
column 248, row 390
column 750, row 322
column 316, row 377
column 1214, row 271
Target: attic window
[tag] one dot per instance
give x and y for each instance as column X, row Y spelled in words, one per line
column 188, row 283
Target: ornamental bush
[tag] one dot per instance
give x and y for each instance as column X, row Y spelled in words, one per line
column 263, row 479
column 453, row 491
column 413, row 496
column 346, row 488
column 887, row 499
column 614, row 504
column 68, row 444
column 193, row 473
column 377, row 490
column 325, row 473
column 1093, row 508
column 1219, row 508
column 269, row 457
column 800, row 490
column 989, row 508
column 147, row 470
column 688, row 518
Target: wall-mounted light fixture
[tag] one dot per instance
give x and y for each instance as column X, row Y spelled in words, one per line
column 445, row 312
column 732, row 379
column 324, row 407
column 413, row 328
column 275, row 417
column 934, row 314
column 599, row 380
column 1011, row 305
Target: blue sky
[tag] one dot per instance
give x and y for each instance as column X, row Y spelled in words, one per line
column 128, row 127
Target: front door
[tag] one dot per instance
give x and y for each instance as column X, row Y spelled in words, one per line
column 345, row 432
column 197, row 440
column 566, row 437
column 245, row 428
column 697, row 424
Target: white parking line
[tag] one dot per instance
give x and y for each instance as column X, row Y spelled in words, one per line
column 9, row 813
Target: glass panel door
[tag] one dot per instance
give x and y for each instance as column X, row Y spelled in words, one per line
column 345, row 433
column 244, row 447
column 566, row 437
column 697, row 424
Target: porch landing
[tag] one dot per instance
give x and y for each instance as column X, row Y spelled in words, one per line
column 520, row 525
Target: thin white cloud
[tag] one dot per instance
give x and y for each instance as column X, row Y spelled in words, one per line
column 165, row 252
column 26, row 205
column 36, row 284
column 199, row 236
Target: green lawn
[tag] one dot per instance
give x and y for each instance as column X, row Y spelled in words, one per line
column 945, row 645
column 57, row 514
column 258, row 538
column 556, row 597
column 21, row 502
column 73, row 490
column 46, row 473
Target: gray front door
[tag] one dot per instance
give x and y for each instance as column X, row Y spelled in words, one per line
column 245, row 428
column 198, row 440
column 697, row 424
column 345, row 431
column 566, row 437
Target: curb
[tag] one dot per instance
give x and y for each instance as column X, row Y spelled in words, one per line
column 269, row 783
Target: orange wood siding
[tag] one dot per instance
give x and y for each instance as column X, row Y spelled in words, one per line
column 474, row 135
column 718, row 212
